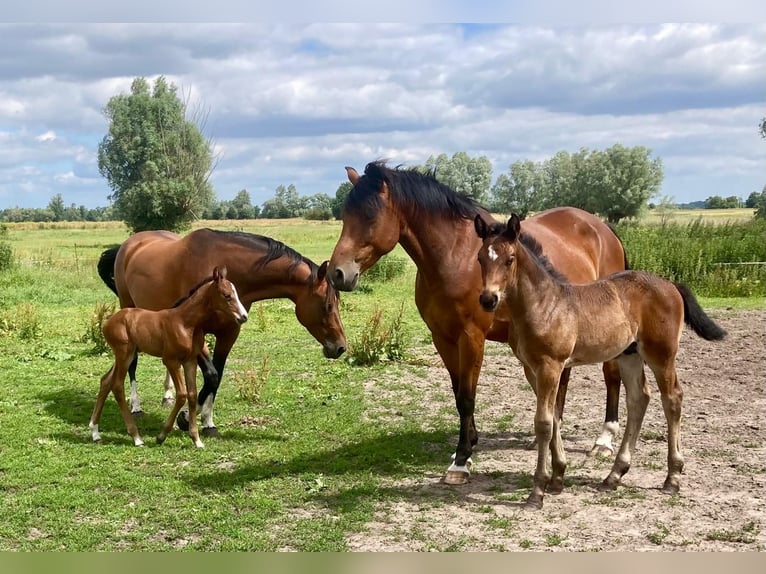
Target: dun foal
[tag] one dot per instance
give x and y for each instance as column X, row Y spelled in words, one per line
column 631, row 316
column 174, row 334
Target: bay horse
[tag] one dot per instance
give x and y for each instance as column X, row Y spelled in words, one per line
column 633, row 317
column 176, row 335
column 434, row 225
column 152, row 269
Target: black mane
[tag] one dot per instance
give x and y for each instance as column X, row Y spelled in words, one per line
column 192, row 291
column 536, row 250
column 413, row 191
column 273, row 250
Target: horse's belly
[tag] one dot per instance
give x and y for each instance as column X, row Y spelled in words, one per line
column 600, row 347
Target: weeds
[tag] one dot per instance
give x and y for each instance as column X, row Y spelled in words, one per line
column 23, row 320
column 94, row 328
column 379, row 342
column 745, row 534
column 251, row 382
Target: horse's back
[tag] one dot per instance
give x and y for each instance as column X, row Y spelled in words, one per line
column 577, row 243
column 147, row 269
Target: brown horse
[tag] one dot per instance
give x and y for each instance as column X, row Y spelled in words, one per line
column 152, row 269
column 631, row 316
column 174, row 334
column 434, row 225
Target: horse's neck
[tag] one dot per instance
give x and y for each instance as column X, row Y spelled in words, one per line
column 534, row 286
column 440, row 248
column 274, row 281
column 192, row 312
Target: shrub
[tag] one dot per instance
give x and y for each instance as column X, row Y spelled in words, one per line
column 94, row 332
column 251, row 382
column 23, row 320
column 379, row 342
column 6, row 255
column 386, row 268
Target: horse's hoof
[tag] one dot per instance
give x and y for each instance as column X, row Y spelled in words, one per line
column 669, row 488
column 607, row 485
column 533, row 504
column 137, row 414
column 160, row 439
column 601, row 450
column 555, row 487
column 210, row 432
column 182, row 421
column 456, row 477
column 168, row 402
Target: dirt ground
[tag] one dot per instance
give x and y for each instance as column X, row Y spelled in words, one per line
column 721, row 506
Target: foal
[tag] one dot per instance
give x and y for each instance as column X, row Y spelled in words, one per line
column 177, row 335
column 631, row 316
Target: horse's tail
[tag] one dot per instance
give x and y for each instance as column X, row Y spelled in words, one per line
column 624, row 253
column 696, row 318
column 106, row 267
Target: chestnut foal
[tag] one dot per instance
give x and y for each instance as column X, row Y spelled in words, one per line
column 176, row 335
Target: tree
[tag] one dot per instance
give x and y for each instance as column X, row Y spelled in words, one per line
column 340, row 198
column 156, row 162
column 56, row 205
column 520, row 192
column 471, row 176
column 753, row 200
column 243, row 205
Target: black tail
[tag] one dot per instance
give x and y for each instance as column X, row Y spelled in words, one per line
column 696, row 318
column 106, row 267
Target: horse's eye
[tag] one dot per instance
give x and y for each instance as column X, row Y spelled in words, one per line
column 228, row 297
column 509, row 262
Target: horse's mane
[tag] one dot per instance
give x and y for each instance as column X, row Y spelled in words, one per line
column 534, row 247
column 273, row 250
column 413, row 191
column 192, row 291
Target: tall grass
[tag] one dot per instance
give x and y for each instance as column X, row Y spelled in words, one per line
column 715, row 260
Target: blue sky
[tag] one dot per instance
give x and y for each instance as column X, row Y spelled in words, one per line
column 289, row 102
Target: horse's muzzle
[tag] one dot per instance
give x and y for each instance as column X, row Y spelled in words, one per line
column 488, row 300
column 344, row 280
column 334, row 351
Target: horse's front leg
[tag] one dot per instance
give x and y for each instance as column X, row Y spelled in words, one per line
column 463, row 363
column 604, row 443
column 174, row 368
column 547, row 433
column 190, row 375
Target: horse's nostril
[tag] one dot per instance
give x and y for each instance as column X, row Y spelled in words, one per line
column 338, row 276
column 341, row 350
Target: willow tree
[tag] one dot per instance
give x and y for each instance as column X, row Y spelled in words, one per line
column 156, row 161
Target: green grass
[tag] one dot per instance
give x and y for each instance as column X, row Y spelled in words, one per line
column 298, row 468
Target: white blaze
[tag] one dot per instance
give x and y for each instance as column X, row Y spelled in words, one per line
column 492, row 253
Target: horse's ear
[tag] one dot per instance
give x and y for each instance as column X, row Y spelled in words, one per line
column 219, row 273
column 481, row 226
column 322, row 272
column 513, row 227
column 353, row 175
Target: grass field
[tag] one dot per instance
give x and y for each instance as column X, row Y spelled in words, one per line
column 299, row 466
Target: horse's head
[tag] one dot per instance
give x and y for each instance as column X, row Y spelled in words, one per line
column 224, row 299
column 371, row 227
column 318, row 309
column 497, row 258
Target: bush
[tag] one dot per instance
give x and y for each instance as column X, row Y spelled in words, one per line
column 387, row 267
column 250, row 383
column 94, row 332
column 23, row 320
column 6, row 255
column 379, row 342
column 715, row 260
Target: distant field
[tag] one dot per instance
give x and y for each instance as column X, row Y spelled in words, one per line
column 716, row 215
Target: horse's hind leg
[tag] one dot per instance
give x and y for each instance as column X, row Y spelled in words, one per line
column 637, row 397
column 611, row 427
column 672, row 397
column 168, row 397
column 190, row 374
column 103, row 392
column 135, row 400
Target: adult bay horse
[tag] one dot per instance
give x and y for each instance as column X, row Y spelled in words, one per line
column 153, row 269
column 174, row 334
column 434, row 225
column 631, row 316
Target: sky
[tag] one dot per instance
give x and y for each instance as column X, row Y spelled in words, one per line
column 290, row 102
